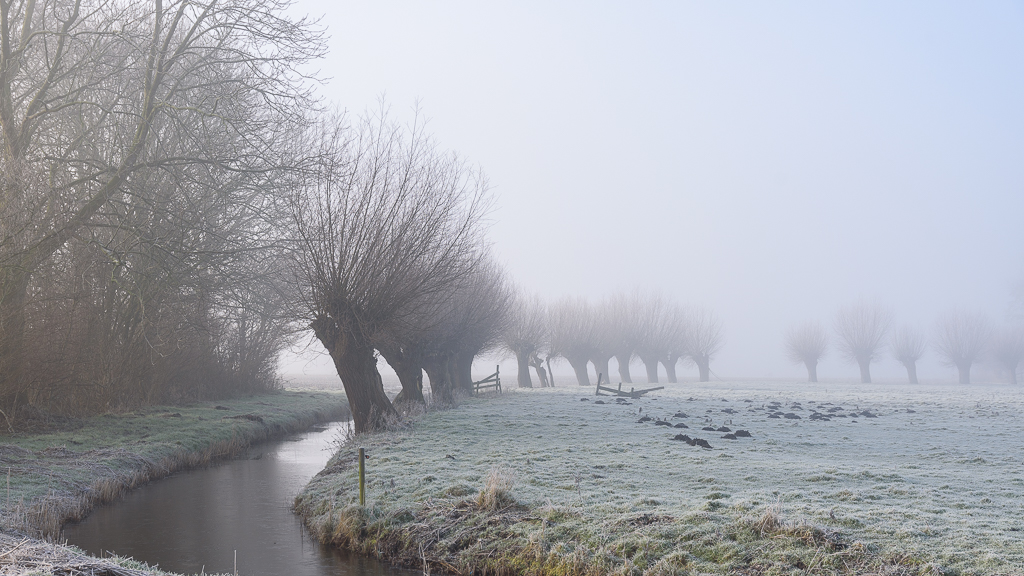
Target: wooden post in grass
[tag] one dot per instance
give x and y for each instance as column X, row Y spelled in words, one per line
column 362, row 477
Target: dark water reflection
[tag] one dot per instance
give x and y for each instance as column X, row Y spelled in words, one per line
column 195, row 521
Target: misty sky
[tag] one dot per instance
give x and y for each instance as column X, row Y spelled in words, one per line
column 769, row 160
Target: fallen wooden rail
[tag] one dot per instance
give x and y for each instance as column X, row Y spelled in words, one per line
column 632, row 393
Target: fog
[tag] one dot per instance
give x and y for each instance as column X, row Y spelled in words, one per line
column 770, row 162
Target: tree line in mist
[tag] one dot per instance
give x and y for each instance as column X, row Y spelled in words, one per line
column 864, row 333
column 624, row 326
column 147, row 149
column 177, row 207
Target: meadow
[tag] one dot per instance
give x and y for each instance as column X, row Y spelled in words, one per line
column 858, row 478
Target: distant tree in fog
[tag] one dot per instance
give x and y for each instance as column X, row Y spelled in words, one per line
column 705, row 336
column 1007, row 349
column 622, row 311
column 604, row 340
column 960, row 338
column 525, row 334
column 861, row 329
column 480, row 311
column 907, row 347
column 655, row 332
column 571, row 325
column 807, row 344
column 676, row 327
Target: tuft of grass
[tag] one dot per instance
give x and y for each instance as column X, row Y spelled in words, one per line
column 497, row 491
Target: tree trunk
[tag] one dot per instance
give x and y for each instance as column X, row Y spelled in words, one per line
column 440, row 380
column 651, row 363
column 464, row 371
column 542, row 374
column 601, row 367
column 964, row 368
column 911, row 371
column 704, row 367
column 579, row 365
column 411, row 393
column 812, row 370
column 523, row 365
column 370, row 406
column 623, row 360
column 670, row 368
column 865, row 370
column 407, row 366
column 13, row 299
column 551, row 375
column 1013, row 375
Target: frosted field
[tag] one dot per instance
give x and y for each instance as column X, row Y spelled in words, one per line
column 937, row 476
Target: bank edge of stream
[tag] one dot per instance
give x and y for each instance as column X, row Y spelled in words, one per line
column 56, row 477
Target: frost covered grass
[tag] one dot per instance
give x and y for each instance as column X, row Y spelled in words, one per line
column 47, row 479
column 885, row 479
column 30, row 557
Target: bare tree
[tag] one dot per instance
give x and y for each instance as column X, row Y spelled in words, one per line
column 675, row 327
column 624, row 319
column 907, row 345
column 960, row 338
column 861, row 328
column 525, row 334
column 605, row 338
column 807, row 344
column 656, row 334
column 483, row 303
column 571, row 328
column 385, row 220
column 1007, row 349
column 102, row 105
column 705, row 338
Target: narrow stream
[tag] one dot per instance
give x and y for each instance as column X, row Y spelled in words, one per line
column 196, row 521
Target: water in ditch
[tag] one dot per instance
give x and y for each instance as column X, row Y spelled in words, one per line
column 202, row 520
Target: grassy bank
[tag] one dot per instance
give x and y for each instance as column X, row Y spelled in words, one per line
column 47, row 479
column 885, row 480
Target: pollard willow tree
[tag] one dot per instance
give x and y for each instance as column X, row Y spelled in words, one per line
column 471, row 322
column 960, row 339
column 705, row 336
column 676, row 327
column 656, row 335
column 604, row 339
column 907, row 346
column 861, row 330
column 807, row 344
column 525, row 334
column 384, row 222
column 96, row 98
column 571, row 334
column 622, row 310
column 1007, row 349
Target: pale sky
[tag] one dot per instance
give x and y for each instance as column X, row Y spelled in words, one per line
column 772, row 161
